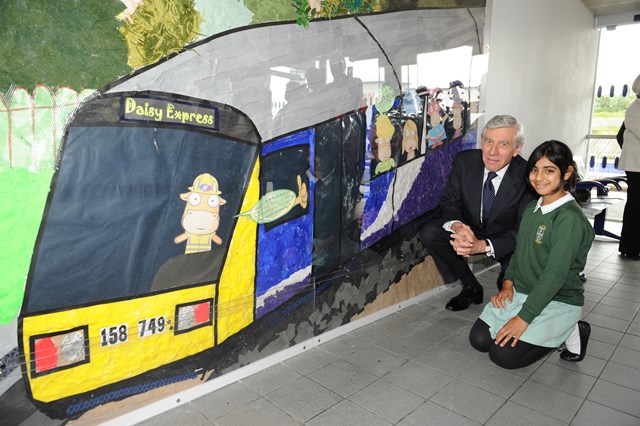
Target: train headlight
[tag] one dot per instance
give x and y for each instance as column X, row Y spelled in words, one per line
column 193, row 315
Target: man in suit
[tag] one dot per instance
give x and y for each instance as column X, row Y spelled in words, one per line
column 480, row 208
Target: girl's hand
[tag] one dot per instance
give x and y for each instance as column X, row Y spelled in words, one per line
column 514, row 328
column 499, row 300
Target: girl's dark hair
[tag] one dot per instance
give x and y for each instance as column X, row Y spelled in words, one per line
column 560, row 155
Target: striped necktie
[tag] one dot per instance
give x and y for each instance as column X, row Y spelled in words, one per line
column 488, row 194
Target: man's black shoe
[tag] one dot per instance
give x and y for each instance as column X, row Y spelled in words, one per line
column 466, row 297
column 585, row 331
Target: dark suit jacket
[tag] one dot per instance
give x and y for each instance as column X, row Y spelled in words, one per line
column 462, row 197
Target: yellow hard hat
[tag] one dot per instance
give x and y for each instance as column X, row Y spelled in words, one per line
column 205, row 184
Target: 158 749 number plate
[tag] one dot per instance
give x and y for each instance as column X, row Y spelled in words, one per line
column 150, row 326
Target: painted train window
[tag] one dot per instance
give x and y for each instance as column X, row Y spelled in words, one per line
column 287, row 172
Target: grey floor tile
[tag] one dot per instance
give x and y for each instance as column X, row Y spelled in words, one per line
column 431, row 414
column 614, row 312
column 630, row 278
column 634, row 328
column 617, row 397
column 592, row 297
column 346, row 413
column 600, row 349
column 592, row 414
column 387, row 400
column 185, row 414
column 607, row 322
column 627, row 357
column 418, row 379
column 622, row 375
column 459, row 342
column 593, row 288
column 225, row 400
column 588, row 307
column 512, row 414
column 634, row 297
column 630, row 341
column 493, row 379
column 449, row 321
column 417, row 311
column 413, row 339
column 342, row 378
column 344, row 345
column 271, row 378
column 446, row 360
column 375, row 360
column 629, row 288
column 303, row 399
column 310, row 361
column 564, row 379
column 258, row 412
column 545, row 399
column 606, row 276
column 605, row 335
column 394, row 322
column 620, row 303
column 590, row 365
column 468, row 400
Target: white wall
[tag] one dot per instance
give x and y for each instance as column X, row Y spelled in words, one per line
column 542, row 65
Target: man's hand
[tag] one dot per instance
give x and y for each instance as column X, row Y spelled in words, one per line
column 464, row 241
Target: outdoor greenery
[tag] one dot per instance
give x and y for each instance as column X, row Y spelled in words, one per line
column 613, row 106
column 608, row 113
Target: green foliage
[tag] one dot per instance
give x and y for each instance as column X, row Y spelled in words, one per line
column 303, row 12
column 271, row 10
column 60, row 43
column 332, row 8
column 160, row 28
column 617, row 104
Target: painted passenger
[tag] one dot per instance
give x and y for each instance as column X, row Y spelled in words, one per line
column 410, row 140
column 466, row 225
column 540, row 303
column 384, row 133
column 436, row 134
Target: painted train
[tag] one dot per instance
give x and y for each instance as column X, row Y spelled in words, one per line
column 200, row 201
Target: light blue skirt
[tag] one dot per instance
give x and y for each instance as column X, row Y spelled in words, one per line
column 549, row 329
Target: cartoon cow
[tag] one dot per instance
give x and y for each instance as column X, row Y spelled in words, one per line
column 201, row 216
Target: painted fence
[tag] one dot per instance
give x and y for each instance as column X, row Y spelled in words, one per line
column 32, row 124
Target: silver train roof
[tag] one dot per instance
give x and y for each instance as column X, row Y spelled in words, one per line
column 252, row 69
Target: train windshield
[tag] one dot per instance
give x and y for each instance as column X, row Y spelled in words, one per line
column 140, row 205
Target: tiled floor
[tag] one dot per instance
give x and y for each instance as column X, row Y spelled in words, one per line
column 416, row 367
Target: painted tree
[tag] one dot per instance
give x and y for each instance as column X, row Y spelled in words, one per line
column 154, row 29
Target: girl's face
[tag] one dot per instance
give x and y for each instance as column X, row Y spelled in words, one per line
column 546, row 180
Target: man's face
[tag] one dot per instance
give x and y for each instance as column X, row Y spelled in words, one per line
column 499, row 147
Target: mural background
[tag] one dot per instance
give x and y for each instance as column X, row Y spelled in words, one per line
column 59, row 54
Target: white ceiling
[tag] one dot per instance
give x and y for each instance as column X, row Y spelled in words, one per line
column 610, row 7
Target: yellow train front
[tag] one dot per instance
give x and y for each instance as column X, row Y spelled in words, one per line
column 118, row 288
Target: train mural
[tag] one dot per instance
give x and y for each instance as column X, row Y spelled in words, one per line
column 206, row 206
